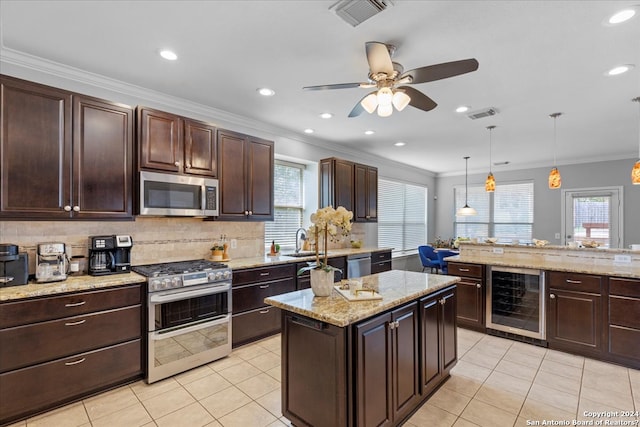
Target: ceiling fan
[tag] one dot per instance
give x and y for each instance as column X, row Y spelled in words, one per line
column 389, row 79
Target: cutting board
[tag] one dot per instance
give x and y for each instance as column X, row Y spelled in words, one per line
column 362, row 296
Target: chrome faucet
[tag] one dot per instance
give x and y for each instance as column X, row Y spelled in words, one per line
column 303, row 236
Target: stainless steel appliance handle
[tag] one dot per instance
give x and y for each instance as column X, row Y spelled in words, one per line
column 177, row 296
column 158, row 336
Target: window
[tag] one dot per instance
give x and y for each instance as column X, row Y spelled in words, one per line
column 402, row 215
column 288, row 204
column 506, row 214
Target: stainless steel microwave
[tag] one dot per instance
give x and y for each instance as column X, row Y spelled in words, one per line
column 163, row 194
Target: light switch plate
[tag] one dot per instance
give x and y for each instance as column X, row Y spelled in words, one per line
column 498, row 250
column 622, row 259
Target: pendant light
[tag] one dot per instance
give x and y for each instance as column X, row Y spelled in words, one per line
column 635, row 172
column 490, row 183
column 555, row 181
column 466, row 210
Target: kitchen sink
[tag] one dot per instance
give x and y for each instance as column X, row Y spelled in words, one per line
column 302, row 254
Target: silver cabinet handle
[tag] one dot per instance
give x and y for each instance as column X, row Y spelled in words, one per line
column 264, row 274
column 264, row 286
column 67, row 208
column 250, row 212
column 75, row 304
column 76, row 208
column 75, row 363
column 392, row 325
column 189, row 165
column 478, row 285
column 176, row 163
column 464, row 269
column 577, row 282
column 246, row 212
column 442, row 301
column 79, row 322
column 552, row 296
column 264, row 311
column 397, row 323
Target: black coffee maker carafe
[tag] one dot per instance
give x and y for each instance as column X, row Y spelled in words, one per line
column 109, row 254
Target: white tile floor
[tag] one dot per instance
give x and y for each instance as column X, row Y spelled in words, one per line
column 497, row 382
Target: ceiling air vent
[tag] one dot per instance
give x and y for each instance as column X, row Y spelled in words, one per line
column 486, row 112
column 355, row 12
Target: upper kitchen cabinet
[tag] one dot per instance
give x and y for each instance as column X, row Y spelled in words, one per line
column 245, row 171
column 366, row 193
column 64, row 155
column 352, row 185
column 168, row 142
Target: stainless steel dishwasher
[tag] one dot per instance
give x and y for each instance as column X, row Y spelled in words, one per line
column 358, row 265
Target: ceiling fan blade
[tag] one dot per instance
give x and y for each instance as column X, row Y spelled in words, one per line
column 379, row 58
column 441, row 71
column 419, row 99
column 337, row 86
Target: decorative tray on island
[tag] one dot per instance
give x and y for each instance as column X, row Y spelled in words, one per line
column 363, row 294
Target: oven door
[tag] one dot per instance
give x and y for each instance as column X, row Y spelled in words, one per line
column 178, row 307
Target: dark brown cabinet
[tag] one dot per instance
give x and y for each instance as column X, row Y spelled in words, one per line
column 245, row 170
column 252, row 318
column 366, row 193
column 574, row 312
column 438, row 317
column 171, row 143
column 624, row 321
column 57, row 349
column 64, row 155
column 349, row 184
column 470, row 294
column 387, row 367
column 380, row 261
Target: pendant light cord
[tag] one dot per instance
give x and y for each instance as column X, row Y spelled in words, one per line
column 466, row 188
column 555, row 139
column 637, row 99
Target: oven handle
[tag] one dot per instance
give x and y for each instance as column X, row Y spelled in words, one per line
column 158, row 336
column 177, row 296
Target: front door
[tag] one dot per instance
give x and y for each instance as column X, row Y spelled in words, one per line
column 593, row 215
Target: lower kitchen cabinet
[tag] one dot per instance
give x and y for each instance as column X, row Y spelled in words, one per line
column 380, row 261
column 252, row 319
column 624, row 321
column 575, row 313
column 470, row 294
column 57, row 349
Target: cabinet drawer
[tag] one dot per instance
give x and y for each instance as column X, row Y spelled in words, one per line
column 25, row 312
column 25, row 391
column 255, row 324
column 263, row 274
column 379, row 267
column 40, row 342
column 466, row 270
column 624, row 342
column 624, row 311
column 252, row 296
column 624, row 287
column 380, row 256
column 575, row 282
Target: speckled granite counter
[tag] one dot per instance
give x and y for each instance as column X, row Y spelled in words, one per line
column 72, row 284
column 395, row 286
column 557, row 258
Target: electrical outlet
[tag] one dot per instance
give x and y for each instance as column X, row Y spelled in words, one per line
column 498, row 250
column 234, row 243
column 622, row 259
column 557, row 235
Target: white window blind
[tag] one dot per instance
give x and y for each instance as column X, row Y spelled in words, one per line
column 288, row 204
column 506, row 214
column 402, row 215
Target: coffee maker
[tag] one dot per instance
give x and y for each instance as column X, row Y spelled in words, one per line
column 109, row 254
column 13, row 266
column 51, row 262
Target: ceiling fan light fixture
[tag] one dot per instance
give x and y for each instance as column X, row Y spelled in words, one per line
column 385, row 96
column 385, row 110
column 400, row 100
column 370, row 102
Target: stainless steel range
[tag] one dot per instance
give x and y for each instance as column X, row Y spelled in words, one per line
column 189, row 321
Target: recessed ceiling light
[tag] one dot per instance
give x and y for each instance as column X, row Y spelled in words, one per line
column 265, row 91
column 168, row 54
column 622, row 16
column 462, row 109
column 369, row 132
column 619, row 69
column 308, row 130
column 326, row 115
column 400, row 144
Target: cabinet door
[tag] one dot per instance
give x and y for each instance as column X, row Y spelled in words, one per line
column 449, row 349
column 35, row 151
column 405, row 362
column 102, row 159
column 470, row 303
column 374, row 372
column 430, row 355
column 574, row 320
column 200, row 148
column 336, row 183
column 260, row 186
column 160, row 140
column 366, row 193
column 233, row 175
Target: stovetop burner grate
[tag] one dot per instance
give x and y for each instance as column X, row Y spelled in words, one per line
column 179, row 267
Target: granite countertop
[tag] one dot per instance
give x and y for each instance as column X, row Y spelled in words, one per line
column 395, row 286
column 71, row 284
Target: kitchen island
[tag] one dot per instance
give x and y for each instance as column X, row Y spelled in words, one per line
column 367, row 362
